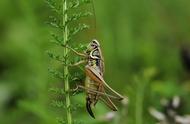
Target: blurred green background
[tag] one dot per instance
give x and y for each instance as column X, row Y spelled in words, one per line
column 141, row 41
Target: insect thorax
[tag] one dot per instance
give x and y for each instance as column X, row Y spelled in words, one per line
column 95, row 60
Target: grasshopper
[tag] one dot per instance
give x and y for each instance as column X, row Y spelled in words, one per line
column 95, row 86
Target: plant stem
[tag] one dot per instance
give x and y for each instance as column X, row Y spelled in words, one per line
column 66, row 71
column 139, row 105
column 141, row 86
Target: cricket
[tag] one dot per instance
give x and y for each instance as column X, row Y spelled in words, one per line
column 95, row 86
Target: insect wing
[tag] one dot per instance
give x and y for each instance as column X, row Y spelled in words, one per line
column 94, row 75
column 108, row 102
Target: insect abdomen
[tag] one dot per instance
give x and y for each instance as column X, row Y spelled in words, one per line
column 92, row 97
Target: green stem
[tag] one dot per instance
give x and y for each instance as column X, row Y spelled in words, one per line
column 139, row 105
column 141, row 86
column 66, row 71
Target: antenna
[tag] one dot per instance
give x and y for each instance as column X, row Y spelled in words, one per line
column 93, row 9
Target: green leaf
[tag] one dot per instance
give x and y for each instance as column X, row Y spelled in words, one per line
column 57, row 91
column 76, row 106
column 78, row 29
column 78, row 122
column 55, row 56
column 56, row 25
column 61, row 121
column 77, row 3
column 56, row 73
column 53, row 6
column 77, row 16
column 57, row 103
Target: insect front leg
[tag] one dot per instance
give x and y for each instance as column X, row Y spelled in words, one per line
column 76, row 52
column 78, row 63
column 75, row 64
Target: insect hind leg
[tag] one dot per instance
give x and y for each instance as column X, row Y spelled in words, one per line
column 101, row 93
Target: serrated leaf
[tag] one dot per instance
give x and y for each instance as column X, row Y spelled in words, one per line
column 53, row 6
column 57, row 103
column 73, row 4
column 56, row 25
column 55, row 56
column 77, row 3
column 76, row 106
column 85, row 1
column 57, row 91
column 56, row 73
column 58, row 40
column 82, row 46
column 78, row 29
column 78, row 122
column 77, row 16
column 55, row 22
column 61, row 121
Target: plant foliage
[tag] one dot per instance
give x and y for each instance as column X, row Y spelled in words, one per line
column 65, row 22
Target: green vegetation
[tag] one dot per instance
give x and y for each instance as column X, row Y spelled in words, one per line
column 62, row 21
column 141, row 43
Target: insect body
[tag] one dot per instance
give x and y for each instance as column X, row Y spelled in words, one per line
column 95, row 85
column 95, row 61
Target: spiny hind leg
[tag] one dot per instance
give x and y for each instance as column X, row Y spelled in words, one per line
column 97, row 96
column 90, row 90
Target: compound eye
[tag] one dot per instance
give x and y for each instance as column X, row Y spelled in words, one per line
column 94, row 42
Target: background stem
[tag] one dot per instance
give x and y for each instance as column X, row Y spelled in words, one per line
column 139, row 105
column 66, row 79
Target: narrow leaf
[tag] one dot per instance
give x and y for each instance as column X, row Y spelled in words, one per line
column 56, row 73
column 59, row 104
column 78, row 29
column 77, row 16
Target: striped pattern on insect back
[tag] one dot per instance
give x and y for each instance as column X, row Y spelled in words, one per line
column 97, row 64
